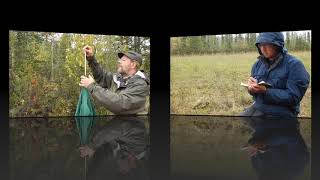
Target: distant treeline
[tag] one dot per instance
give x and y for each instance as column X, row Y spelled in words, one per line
column 234, row 43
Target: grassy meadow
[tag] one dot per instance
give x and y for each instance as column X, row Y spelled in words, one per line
column 210, row 84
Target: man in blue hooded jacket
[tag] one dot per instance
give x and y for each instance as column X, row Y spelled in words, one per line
column 287, row 75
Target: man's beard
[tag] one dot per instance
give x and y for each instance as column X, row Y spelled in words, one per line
column 121, row 71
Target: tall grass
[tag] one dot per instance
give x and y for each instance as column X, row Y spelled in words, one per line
column 210, row 84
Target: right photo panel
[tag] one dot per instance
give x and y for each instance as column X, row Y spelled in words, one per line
column 240, row 106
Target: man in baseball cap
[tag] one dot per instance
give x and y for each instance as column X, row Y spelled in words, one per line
column 123, row 92
column 129, row 63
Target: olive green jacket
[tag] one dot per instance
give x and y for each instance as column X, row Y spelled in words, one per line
column 118, row 95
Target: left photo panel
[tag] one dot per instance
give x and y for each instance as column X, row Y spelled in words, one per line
column 78, row 105
column 48, row 70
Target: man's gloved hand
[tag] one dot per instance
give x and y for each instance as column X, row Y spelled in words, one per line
column 85, row 82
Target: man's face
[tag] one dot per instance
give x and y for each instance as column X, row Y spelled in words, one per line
column 125, row 65
column 268, row 50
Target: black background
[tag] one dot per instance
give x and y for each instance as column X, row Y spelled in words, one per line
column 159, row 29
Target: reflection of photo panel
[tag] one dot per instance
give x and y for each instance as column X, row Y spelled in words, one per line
column 229, row 147
column 238, row 102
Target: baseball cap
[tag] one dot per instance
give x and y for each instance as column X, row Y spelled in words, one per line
column 132, row 55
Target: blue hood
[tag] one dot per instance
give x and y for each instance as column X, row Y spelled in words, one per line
column 275, row 38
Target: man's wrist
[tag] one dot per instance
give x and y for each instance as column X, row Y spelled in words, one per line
column 91, row 86
column 90, row 58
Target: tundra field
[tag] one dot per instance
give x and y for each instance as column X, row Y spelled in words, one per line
column 210, row 84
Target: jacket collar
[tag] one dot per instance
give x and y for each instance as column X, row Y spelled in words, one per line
column 122, row 83
column 272, row 64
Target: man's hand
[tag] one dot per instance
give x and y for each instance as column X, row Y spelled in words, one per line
column 253, row 86
column 86, row 151
column 88, row 50
column 258, row 89
column 85, row 82
column 252, row 81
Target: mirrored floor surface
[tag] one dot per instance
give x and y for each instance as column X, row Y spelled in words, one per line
column 113, row 147
column 226, row 148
